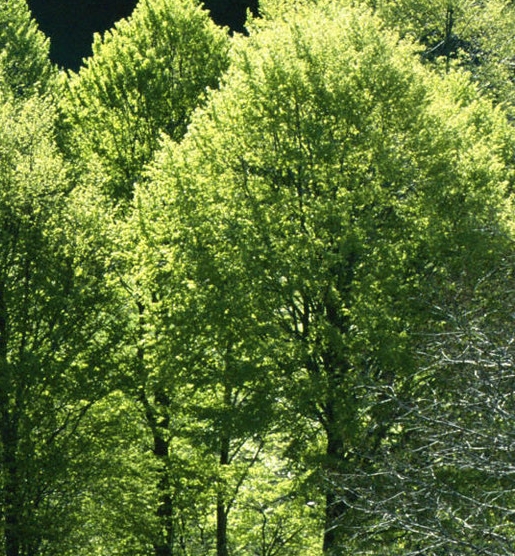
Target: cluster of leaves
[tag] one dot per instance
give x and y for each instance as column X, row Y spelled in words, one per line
column 145, row 78
column 254, row 291
column 56, row 322
column 24, row 50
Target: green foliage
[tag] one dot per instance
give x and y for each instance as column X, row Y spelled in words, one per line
column 115, row 512
column 341, row 190
column 281, row 517
column 145, row 78
column 55, row 326
column 294, row 337
column 24, row 63
column 211, row 386
column 473, row 34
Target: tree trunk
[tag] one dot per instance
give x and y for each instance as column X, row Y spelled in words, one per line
column 335, row 418
column 163, row 546
column 221, row 527
column 158, row 422
column 221, row 505
column 165, row 508
column 335, row 506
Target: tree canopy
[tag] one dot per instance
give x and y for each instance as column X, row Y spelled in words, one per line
column 256, row 291
column 145, row 78
column 330, row 180
column 24, row 63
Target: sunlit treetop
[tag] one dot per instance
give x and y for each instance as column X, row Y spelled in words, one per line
column 24, row 51
column 145, row 78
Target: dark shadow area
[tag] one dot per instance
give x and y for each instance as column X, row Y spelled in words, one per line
column 70, row 24
column 231, row 13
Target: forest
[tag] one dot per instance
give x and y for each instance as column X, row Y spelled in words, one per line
column 257, row 290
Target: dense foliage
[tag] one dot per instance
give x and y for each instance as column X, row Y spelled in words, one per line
column 256, row 291
column 145, row 78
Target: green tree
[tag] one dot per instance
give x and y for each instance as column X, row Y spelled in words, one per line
column 24, row 51
column 352, row 189
column 55, row 329
column 206, row 386
column 145, row 78
column 475, row 35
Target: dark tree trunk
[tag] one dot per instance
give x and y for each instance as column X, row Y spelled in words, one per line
column 163, row 546
column 221, row 527
column 158, row 421
column 165, row 508
column 335, row 416
column 335, row 506
column 222, row 509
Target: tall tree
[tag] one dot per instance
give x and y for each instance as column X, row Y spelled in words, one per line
column 145, row 78
column 55, row 327
column 353, row 188
column 143, row 81
column 211, row 385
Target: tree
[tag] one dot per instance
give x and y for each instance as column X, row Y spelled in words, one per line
column 24, row 58
column 208, row 388
column 145, row 78
column 474, row 35
column 352, row 189
column 446, row 475
column 56, row 327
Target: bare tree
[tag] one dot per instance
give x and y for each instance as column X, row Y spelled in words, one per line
column 442, row 481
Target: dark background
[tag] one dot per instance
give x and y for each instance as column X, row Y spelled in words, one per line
column 70, row 24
